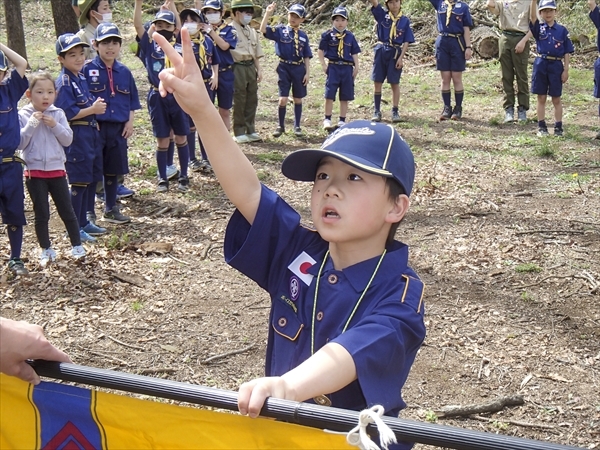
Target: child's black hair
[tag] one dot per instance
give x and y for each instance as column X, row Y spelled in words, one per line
column 394, row 190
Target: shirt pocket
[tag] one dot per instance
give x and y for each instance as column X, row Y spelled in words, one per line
column 97, row 89
column 123, row 90
column 285, row 321
column 5, row 109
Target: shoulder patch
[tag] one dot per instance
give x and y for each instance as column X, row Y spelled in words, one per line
column 413, row 293
column 66, row 80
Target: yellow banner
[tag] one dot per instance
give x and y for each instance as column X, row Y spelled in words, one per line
column 53, row 415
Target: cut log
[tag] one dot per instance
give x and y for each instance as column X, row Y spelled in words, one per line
column 485, row 42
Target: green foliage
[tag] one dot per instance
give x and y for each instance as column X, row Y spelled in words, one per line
column 528, row 268
column 526, row 297
column 137, row 305
column 116, row 242
column 431, row 417
column 270, row 158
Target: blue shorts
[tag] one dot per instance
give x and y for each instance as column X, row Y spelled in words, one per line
column 450, row 54
column 384, row 64
column 84, row 155
column 597, row 78
column 211, row 93
column 339, row 77
column 291, row 76
column 166, row 115
column 12, row 194
column 114, row 148
column 225, row 89
column 545, row 78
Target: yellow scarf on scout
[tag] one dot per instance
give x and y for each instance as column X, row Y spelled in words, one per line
column 449, row 5
column 393, row 29
column 340, row 37
column 296, row 33
column 168, row 63
column 199, row 39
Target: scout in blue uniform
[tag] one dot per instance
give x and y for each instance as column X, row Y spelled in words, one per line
column 165, row 113
column 595, row 16
column 346, row 317
column 340, row 48
column 452, row 49
column 293, row 49
column 225, row 38
column 208, row 61
column 549, row 71
column 84, row 155
column 393, row 36
column 111, row 80
column 12, row 88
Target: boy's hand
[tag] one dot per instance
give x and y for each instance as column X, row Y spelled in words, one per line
column 99, row 106
column 305, row 80
column 48, row 120
column 252, row 395
column 206, row 28
column 259, row 75
column 271, row 8
column 213, row 83
column 399, row 63
column 564, row 77
column 520, row 46
column 166, row 5
column 468, row 53
column 127, row 129
column 354, row 72
column 592, row 4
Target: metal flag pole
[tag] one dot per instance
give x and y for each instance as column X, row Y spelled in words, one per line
column 307, row 414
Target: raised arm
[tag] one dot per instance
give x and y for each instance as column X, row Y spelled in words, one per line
column 268, row 14
column 19, row 62
column 533, row 11
column 170, row 5
column 137, row 18
column 374, row 3
column 234, row 171
column 591, row 4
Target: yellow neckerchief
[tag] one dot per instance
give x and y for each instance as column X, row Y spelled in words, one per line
column 393, row 29
column 199, row 39
column 449, row 4
column 296, row 31
column 341, row 37
column 168, row 63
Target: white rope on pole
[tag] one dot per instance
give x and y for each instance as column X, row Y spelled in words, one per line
column 358, row 436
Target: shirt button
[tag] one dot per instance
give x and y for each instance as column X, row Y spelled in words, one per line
column 282, row 322
column 332, row 278
column 320, row 316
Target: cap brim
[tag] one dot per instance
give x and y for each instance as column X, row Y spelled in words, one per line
column 163, row 20
column 84, row 9
column 70, row 46
column 108, row 36
column 302, row 164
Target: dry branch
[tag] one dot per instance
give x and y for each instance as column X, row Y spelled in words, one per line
column 156, row 370
column 495, row 406
column 127, row 278
column 225, row 355
column 518, row 423
column 550, row 231
column 124, row 344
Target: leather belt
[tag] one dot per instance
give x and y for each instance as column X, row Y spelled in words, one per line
column 13, row 159
column 293, row 63
column 91, row 123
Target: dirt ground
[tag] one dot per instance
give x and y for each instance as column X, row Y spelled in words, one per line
column 507, row 242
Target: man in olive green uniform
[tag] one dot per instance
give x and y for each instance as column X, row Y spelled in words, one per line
column 247, row 72
column 514, row 54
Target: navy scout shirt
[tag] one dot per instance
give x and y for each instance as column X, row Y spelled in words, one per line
column 595, row 16
column 229, row 35
column 73, row 95
column 286, row 46
column 116, row 86
column 153, row 57
column 384, row 21
column 12, row 89
column 330, row 44
column 460, row 16
column 551, row 41
column 382, row 336
column 205, row 59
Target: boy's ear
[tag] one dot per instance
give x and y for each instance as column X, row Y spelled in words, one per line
column 399, row 209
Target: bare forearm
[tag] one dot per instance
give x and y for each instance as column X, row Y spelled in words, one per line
column 19, row 62
column 467, row 36
column 137, row 18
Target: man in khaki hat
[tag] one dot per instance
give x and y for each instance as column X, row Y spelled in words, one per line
column 247, row 72
column 93, row 12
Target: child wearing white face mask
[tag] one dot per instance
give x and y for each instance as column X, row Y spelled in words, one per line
column 247, row 72
column 93, row 12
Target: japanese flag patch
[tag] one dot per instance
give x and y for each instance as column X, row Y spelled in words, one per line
column 94, row 73
column 300, row 266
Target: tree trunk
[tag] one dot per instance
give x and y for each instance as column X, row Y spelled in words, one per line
column 485, row 42
column 14, row 27
column 65, row 20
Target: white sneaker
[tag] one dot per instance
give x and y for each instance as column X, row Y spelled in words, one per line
column 172, row 171
column 47, row 255
column 327, row 125
column 341, row 124
column 78, row 252
column 241, row 139
column 253, row 137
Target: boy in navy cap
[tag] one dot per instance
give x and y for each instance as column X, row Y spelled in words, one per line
column 452, row 50
column 165, row 113
column 393, row 34
column 340, row 48
column 595, row 16
column 293, row 49
column 84, row 155
column 347, row 311
column 12, row 210
column 549, row 71
column 111, row 80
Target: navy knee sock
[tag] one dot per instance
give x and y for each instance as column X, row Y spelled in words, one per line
column 458, row 98
column 110, row 191
column 446, row 98
column 162, row 155
column 183, row 152
column 297, row 114
column 281, row 112
column 170, row 152
column 192, row 145
column 202, row 150
column 77, row 200
column 377, row 99
column 15, row 238
column 89, row 197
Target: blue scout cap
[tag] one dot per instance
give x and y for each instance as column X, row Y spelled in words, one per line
column 164, row 15
column 547, row 4
column 213, row 4
column 3, row 62
column 340, row 11
column 106, row 30
column 372, row 147
column 298, row 9
column 66, row 42
column 187, row 11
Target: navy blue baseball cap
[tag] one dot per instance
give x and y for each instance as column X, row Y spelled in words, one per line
column 298, row 9
column 547, row 4
column 165, row 15
column 340, row 11
column 3, row 62
column 106, row 30
column 196, row 12
column 66, row 42
column 213, row 4
column 372, row 147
